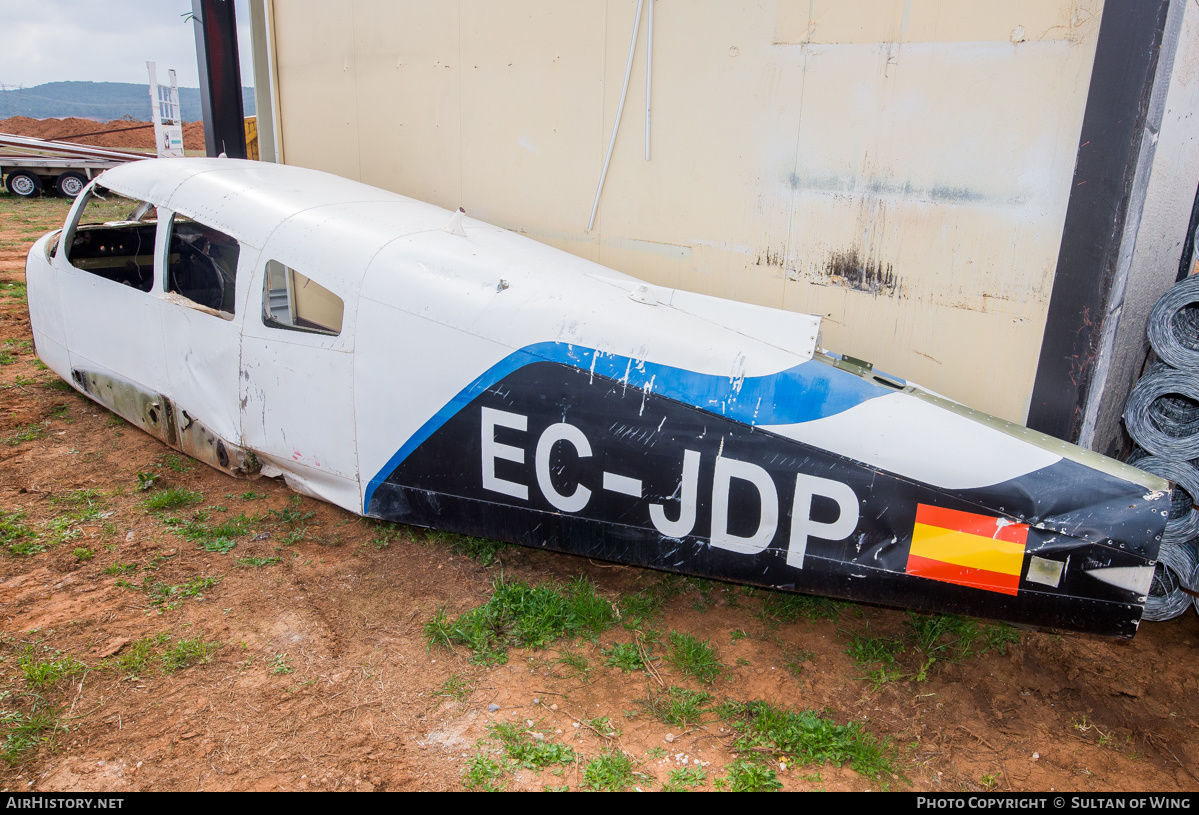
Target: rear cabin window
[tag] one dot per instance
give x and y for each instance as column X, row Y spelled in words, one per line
column 202, row 265
column 292, row 301
column 114, row 239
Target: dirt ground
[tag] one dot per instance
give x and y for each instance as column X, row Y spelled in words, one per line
column 132, row 658
column 117, row 133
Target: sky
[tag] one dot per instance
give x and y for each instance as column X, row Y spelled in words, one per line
column 89, row 40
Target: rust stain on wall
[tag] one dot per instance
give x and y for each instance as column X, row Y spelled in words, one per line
column 848, row 269
column 772, row 257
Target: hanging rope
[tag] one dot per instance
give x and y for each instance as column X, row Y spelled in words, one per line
column 1174, row 325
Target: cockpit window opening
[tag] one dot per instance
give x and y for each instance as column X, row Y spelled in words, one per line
column 293, row 301
column 202, row 265
column 114, row 239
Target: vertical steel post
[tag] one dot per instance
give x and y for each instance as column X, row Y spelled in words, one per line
column 220, row 77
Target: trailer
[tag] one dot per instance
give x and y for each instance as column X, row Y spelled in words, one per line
column 34, row 165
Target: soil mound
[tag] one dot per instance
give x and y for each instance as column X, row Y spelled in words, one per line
column 117, row 133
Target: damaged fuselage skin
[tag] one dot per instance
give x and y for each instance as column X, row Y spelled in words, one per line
column 412, row 365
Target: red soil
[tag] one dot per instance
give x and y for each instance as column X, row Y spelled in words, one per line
column 117, row 133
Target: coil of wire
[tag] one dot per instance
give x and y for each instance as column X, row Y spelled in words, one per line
column 1193, row 583
column 1176, row 563
column 1184, row 516
column 1162, row 412
column 1174, row 325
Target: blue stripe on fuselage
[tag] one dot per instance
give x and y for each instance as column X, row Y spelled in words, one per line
column 810, row 390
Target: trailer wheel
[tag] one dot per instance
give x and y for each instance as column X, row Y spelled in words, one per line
column 24, row 184
column 70, row 184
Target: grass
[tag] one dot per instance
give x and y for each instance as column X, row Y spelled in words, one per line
column 172, row 498
column 456, row 688
column 45, row 672
column 950, row 638
column 185, row 653
column 520, row 615
column 388, row 533
column 784, row 607
column 155, row 655
column 678, row 706
column 221, row 546
column 694, row 658
column 876, row 656
column 611, row 771
column 255, row 562
column 15, row 536
column 525, row 750
column 603, row 726
column 136, row 658
column 747, row 775
column 626, row 656
column 685, row 779
column 807, row 737
column 12, row 346
column 520, row 747
column 165, row 596
column 14, row 290
column 175, row 463
column 81, row 506
column 209, row 534
column 794, row 659
column 482, row 774
column 483, row 552
column 646, row 605
column 291, row 514
column 38, row 430
column 31, row 432
column 576, row 664
column 22, row 732
column 928, row 639
column 703, row 588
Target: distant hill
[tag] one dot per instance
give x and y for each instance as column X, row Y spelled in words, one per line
column 103, row 101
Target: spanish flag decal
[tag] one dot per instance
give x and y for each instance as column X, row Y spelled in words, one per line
column 967, row 549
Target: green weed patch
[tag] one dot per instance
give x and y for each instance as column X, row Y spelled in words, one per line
column 520, row 615
column 694, row 658
column 807, row 737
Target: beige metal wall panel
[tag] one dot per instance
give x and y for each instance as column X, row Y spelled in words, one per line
column 952, row 199
column 318, row 113
column 531, row 110
column 725, row 112
column 899, row 167
column 873, row 21
column 409, row 92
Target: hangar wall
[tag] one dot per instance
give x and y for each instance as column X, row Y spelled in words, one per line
column 900, row 167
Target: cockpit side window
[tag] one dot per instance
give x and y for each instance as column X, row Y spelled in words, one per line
column 114, row 239
column 293, row 301
column 202, row 265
